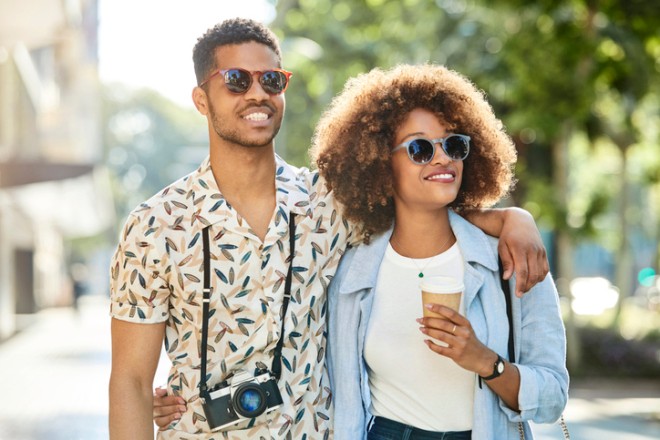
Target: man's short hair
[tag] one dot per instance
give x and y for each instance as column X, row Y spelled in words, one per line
column 232, row 31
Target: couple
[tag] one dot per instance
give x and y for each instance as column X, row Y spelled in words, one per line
column 396, row 148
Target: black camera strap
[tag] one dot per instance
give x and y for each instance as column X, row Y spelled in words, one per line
column 207, row 290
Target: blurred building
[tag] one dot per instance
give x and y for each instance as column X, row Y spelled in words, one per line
column 52, row 185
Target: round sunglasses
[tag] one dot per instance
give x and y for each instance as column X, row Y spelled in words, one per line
column 421, row 150
column 239, row 81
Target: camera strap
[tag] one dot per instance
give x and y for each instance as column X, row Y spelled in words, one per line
column 206, row 299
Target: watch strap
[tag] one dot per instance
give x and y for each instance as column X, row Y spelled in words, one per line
column 496, row 372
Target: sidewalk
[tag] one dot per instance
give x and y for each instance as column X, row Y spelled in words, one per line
column 55, row 374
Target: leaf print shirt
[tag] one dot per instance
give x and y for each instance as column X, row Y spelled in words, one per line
column 156, row 276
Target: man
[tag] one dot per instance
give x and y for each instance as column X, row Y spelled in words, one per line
column 245, row 196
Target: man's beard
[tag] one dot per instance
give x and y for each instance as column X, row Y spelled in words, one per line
column 234, row 136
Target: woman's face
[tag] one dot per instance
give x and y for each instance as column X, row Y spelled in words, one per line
column 430, row 186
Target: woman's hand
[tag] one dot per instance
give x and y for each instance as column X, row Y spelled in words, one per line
column 467, row 351
column 463, row 347
column 167, row 409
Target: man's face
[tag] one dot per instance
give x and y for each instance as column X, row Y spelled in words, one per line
column 251, row 119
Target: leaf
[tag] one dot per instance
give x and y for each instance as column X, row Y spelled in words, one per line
column 192, row 278
column 171, row 244
column 222, row 276
column 185, row 261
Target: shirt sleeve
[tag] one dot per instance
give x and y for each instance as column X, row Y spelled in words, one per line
column 544, row 378
column 138, row 291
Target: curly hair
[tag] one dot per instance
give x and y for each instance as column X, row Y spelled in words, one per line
column 232, row 31
column 354, row 137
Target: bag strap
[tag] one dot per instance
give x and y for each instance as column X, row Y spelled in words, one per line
column 512, row 355
column 509, row 312
column 207, row 290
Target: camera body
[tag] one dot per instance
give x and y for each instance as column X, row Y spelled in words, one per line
column 245, row 396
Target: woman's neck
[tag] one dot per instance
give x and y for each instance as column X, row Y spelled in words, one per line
column 422, row 234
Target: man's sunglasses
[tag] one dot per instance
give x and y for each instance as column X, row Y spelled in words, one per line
column 421, row 151
column 274, row 81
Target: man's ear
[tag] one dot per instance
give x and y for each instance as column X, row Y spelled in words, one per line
column 200, row 100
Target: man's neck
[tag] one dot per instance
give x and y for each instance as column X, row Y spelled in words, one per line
column 246, row 179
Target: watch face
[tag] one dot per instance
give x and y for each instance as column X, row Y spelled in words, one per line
column 500, row 367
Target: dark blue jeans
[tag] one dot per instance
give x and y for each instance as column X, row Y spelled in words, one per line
column 386, row 429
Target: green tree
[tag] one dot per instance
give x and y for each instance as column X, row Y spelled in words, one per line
column 150, row 141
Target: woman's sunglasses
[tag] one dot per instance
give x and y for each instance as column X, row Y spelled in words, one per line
column 421, row 151
column 274, row 81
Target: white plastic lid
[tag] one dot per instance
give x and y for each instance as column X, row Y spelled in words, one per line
column 441, row 285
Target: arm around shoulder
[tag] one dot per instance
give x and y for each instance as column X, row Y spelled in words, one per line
column 520, row 246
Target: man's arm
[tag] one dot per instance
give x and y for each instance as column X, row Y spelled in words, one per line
column 520, row 246
column 135, row 354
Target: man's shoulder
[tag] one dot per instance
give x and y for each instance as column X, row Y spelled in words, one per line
column 162, row 202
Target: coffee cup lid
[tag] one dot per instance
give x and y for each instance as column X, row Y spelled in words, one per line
column 441, row 285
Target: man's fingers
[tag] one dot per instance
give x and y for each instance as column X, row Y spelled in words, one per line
column 167, row 410
column 507, row 261
column 160, row 392
column 165, row 421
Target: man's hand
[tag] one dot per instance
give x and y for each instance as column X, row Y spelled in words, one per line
column 522, row 250
column 167, row 409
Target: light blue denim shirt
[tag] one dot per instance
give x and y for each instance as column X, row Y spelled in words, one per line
column 539, row 335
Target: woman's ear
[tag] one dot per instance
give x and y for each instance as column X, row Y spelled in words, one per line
column 200, row 99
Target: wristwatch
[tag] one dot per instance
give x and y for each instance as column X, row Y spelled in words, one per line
column 498, row 369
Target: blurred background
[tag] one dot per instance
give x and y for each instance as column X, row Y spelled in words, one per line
column 96, row 116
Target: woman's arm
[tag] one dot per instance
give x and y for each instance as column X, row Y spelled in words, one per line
column 520, row 245
column 536, row 386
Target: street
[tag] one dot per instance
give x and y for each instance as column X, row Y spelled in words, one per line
column 55, row 386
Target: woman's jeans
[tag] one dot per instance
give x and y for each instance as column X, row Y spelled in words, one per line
column 386, row 429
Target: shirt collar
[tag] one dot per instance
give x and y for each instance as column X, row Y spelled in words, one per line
column 292, row 193
column 364, row 267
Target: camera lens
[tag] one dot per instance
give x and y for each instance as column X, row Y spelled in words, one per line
column 249, row 400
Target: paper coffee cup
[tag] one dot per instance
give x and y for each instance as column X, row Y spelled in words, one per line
column 445, row 291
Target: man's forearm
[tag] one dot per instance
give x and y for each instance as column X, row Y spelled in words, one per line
column 488, row 220
column 131, row 408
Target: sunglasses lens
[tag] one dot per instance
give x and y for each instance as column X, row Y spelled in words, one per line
column 421, row 151
column 238, row 80
column 456, row 147
column 273, row 82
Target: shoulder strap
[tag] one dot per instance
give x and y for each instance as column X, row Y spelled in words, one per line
column 277, row 356
column 205, row 310
column 509, row 314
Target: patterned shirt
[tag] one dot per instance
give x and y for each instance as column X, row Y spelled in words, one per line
column 157, row 276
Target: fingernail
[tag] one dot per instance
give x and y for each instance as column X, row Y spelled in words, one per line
column 419, row 320
column 177, row 416
column 182, row 408
column 181, row 401
column 423, row 329
column 428, row 306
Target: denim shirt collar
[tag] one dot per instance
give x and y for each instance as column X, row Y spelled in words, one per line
column 473, row 242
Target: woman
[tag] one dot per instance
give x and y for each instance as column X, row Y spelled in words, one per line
column 403, row 150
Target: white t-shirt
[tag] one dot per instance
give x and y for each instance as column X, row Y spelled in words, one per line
column 410, row 383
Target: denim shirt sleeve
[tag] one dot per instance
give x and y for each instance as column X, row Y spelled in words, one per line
column 540, row 341
column 344, row 358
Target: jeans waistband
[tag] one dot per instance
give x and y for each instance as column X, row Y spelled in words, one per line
column 410, row 432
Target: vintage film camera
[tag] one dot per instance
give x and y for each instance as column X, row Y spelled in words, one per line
column 244, row 396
